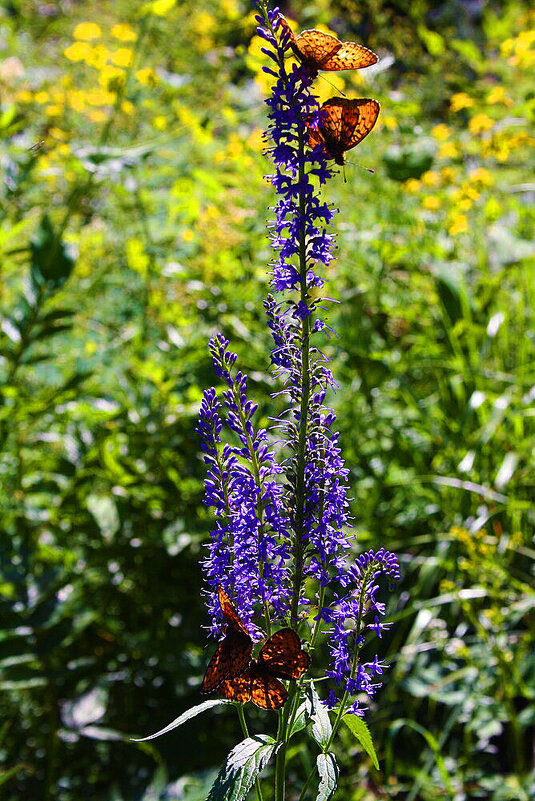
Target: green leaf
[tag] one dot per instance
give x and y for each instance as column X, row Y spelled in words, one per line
column 357, row 727
column 328, row 773
column 241, row 768
column 187, row 715
column 321, row 724
column 51, row 262
column 301, row 720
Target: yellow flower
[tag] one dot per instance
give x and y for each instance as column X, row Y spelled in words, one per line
column 97, row 57
column 441, row 132
column 53, row 110
column 204, row 23
column 390, row 123
column 412, row 185
column 160, row 122
column 431, row 203
column 111, row 76
column 459, row 224
column 58, row 134
column 159, row 7
column 188, row 235
column 448, row 175
column 99, row 97
column 128, row 107
column 230, row 9
column 147, row 76
column 24, row 96
column 448, row 150
column 78, row 51
column 430, row 178
column 480, row 123
column 461, row 100
column 96, row 115
column 480, row 176
column 123, row 32
column 87, row 31
column 497, row 95
column 41, row 97
column 255, row 140
column 123, row 57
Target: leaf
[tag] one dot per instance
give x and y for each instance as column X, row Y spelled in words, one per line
column 301, row 720
column 357, row 727
column 51, row 261
column 241, row 768
column 187, row 715
column 321, row 723
column 328, row 773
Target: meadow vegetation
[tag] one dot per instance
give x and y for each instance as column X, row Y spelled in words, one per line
column 132, row 225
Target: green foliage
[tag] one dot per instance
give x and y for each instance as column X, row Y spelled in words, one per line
column 127, row 235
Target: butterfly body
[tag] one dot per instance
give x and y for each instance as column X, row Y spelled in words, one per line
column 281, row 657
column 323, row 51
column 343, row 123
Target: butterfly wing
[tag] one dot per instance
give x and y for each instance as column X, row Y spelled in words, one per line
column 233, row 654
column 267, row 692
column 283, row 656
column 231, row 659
column 230, row 613
column 344, row 123
column 350, row 56
column 315, row 48
column 238, row 689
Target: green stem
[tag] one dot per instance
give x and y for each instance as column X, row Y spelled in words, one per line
column 245, row 730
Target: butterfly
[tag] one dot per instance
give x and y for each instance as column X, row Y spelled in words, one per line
column 280, row 657
column 234, row 652
column 343, row 123
column 323, row 51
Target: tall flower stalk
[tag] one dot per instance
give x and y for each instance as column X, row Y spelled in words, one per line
column 281, row 547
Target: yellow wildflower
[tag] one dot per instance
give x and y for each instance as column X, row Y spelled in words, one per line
column 480, row 123
column 480, row 176
column 390, row 123
column 255, row 140
column 159, row 7
column 24, row 96
column 123, row 32
column 448, row 175
column 53, row 110
column 111, row 76
column 230, row 9
column 97, row 57
column 76, row 99
column 458, row 225
column 461, row 100
column 431, row 203
column 412, row 185
column 448, row 150
column 123, row 57
column 128, row 107
column 160, row 122
column 78, row 51
column 96, row 115
column 430, row 178
column 147, row 76
column 99, row 97
column 441, row 132
column 188, row 235
column 41, row 97
column 497, row 95
column 58, row 134
column 87, row 31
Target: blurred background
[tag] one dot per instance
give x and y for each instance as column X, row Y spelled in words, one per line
column 132, row 226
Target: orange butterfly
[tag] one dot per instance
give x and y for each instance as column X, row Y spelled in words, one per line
column 322, row 51
column 280, row 656
column 233, row 653
column 342, row 125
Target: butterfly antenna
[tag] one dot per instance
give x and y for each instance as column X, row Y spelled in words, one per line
column 356, row 164
column 333, row 86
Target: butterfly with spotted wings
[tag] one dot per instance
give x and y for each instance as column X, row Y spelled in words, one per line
column 343, row 123
column 323, row 51
column 281, row 657
column 234, row 652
